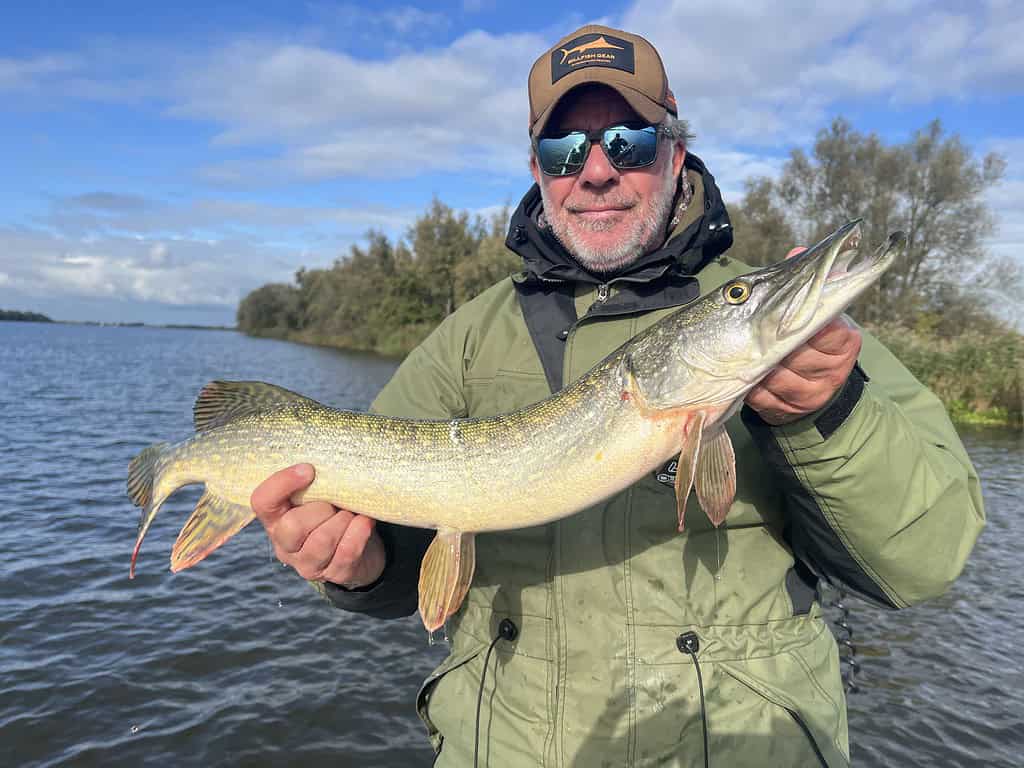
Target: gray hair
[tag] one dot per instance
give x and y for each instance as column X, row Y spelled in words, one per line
column 677, row 129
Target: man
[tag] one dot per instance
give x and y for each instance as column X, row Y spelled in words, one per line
column 616, row 640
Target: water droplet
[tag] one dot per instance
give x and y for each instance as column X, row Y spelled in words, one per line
column 280, row 604
column 135, row 729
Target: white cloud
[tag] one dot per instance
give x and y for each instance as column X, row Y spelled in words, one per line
column 24, row 74
column 205, row 252
column 769, row 71
column 336, row 115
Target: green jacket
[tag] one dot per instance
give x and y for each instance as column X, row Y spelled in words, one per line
column 875, row 492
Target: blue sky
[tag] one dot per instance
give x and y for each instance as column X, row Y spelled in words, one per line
column 161, row 161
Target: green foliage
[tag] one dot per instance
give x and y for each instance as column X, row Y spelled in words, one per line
column 25, row 317
column 978, row 375
column 386, row 297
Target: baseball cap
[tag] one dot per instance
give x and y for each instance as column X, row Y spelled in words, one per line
column 598, row 54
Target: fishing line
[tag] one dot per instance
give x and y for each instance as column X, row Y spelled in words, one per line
column 507, row 630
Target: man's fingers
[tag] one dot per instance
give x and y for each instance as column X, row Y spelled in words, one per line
column 350, row 551
column 837, row 338
column 770, row 406
column 272, row 497
column 292, row 529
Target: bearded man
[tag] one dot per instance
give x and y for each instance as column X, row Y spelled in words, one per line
column 610, row 638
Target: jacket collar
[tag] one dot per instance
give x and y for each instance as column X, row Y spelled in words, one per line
column 699, row 233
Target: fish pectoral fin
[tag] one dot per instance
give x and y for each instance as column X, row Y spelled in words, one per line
column 221, row 402
column 213, row 521
column 445, row 576
column 688, row 457
column 715, row 479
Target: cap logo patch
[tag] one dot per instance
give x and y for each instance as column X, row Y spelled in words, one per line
column 592, row 50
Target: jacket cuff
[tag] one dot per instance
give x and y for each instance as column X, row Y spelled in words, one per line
column 819, row 426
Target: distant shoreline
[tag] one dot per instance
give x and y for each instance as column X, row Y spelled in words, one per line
column 17, row 316
column 173, row 326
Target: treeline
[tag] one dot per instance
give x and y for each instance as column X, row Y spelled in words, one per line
column 386, row 297
column 24, row 317
column 946, row 308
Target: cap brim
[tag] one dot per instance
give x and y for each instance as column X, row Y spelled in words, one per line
column 649, row 110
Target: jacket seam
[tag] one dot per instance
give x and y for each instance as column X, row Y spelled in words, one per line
column 830, row 517
column 814, row 681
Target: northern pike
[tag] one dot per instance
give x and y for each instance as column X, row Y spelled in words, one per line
column 666, row 392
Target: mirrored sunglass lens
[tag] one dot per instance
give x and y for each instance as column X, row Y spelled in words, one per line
column 630, row 147
column 562, row 155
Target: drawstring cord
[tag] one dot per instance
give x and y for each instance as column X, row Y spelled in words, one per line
column 507, row 630
column 688, row 642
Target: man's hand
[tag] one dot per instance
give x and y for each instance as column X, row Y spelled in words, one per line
column 807, row 379
column 321, row 542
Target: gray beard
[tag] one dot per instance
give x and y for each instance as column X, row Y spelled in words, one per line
column 645, row 234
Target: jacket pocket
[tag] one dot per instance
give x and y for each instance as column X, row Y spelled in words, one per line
column 803, row 703
column 430, row 686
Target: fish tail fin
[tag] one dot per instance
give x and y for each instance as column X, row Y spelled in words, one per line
column 143, row 473
column 213, row 522
column 445, row 576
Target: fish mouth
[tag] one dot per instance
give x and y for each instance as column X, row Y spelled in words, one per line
column 825, row 278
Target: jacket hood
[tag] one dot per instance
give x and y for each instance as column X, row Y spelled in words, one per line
column 700, row 231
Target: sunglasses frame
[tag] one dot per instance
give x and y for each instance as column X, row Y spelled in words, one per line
column 597, row 135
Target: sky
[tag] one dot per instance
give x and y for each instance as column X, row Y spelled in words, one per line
column 159, row 161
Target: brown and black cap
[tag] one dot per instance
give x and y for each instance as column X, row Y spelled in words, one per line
column 597, row 54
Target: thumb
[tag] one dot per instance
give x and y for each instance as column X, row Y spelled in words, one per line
column 272, row 497
column 794, row 251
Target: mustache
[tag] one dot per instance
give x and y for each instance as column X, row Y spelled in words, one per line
column 577, row 204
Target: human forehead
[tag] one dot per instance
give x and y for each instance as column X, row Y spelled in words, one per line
column 590, row 108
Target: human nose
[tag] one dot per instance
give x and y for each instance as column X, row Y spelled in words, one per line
column 598, row 171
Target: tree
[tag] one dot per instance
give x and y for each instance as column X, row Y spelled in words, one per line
column 763, row 233
column 440, row 241
column 930, row 187
column 272, row 308
column 489, row 263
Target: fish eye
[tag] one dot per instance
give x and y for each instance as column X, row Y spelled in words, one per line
column 736, row 293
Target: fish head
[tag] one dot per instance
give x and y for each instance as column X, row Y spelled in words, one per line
column 734, row 336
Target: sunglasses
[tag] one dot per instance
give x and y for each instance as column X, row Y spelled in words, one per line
column 626, row 146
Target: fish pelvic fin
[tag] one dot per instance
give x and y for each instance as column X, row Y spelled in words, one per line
column 715, row 479
column 213, row 521
column 221, row 402
column 687, row 466
column 445, row 576
column 143, row 472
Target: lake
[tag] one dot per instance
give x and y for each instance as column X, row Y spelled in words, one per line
column 238, row 661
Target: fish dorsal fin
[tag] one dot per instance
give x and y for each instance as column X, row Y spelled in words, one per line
column 445, row 576
column 687, row 466
column 221, row 402
column 715, row 479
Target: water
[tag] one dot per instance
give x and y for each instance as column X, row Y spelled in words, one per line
column 239, row 662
